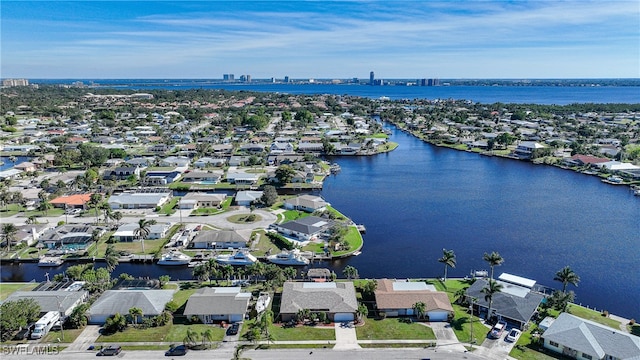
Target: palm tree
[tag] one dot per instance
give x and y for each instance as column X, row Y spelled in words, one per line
column 460, row 295
column 419, row 309
column 45, row 206
column 106, row 209
column 94, row 202
column 9, row 231
column 362, row 312
column 117, row 216
column 190, row 337
column 144, row 227
column 350, row 272
column 265, row 321
column 290, row 272
column 559, row 300
column 201, row 272
column 207, row 336
column 489, row 290
column 448, row 259
column 567, row 276
column 134, row 312
column 494, row 259
column 111, row 256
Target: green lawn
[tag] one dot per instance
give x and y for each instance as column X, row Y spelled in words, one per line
column 297, row 333
column 393, row 329
column 290, row 215
column 168, row 208
column 354, row 238
column 461, row 323
column 170, row 332
column 244, row 218
column 69, row 336
column 389, row 146
column 180, row 297
column 7, row 289
column 134, row 247
column 264, row 244
column 592, row 315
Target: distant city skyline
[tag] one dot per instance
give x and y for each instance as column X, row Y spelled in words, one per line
column 300, row 39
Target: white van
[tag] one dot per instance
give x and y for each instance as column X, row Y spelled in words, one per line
column 44, row 324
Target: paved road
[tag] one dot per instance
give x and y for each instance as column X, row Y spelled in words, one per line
column 357, row 354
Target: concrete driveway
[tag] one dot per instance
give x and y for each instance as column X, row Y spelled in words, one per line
column 346, row 338
column 87, row 337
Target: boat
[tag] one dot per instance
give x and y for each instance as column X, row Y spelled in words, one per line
column 334, row 168
column 479, row 273
column 263, row 302
column 174, row 258
column 292, row 257
column 615, row 180
column 240, row 257
column 50, row 261
column 356, row 253
column 636, row 192
column 361, row 228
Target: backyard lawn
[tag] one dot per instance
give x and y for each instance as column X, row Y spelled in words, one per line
column 393, row 329
column 7, row 289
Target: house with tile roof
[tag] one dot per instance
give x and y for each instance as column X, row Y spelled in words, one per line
column 218, row 304
column 75, row 201
column 396, row 298
column 579, row 338
column 336, row 299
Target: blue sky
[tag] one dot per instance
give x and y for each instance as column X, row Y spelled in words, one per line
column 321, row 39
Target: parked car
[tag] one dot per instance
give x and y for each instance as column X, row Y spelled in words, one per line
column 233, row 329
column 58, row 325
column 513, row 335
column 179, row 350
column 111, row 350
column 497, row 330
column 25, row 332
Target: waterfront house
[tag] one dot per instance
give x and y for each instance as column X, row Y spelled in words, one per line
column 281, row 148
column 201, row 177
column 246, row 198
column 122, row 172
column 139, row 200
column 141, row 161
column 218, row 239
column 308, row 203
column 396, row 298
column 127, row 232
column 64, row 301
column 515, row 304
column 201, row 200
column 209, row 162
column 161, row 177
column 111, row 302
column 26, row 166
column 336, row 299
column 304, row 229
column 525, row 149
column 579, row 338
column 30, row 233
column 585, row 160
column 76, row 201
column 218, row 304
column 242, row 178
column 69, row 237
column 176, row 161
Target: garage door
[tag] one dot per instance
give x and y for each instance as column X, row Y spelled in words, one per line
column 437, row 315
column 343, row 317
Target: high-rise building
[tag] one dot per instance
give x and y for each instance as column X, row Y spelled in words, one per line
column 228, row 77
column 15, row 82
column 372, row 78
column 286, row 79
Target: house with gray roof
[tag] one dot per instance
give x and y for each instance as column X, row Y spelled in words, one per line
column 304, row 229
column 579, row 338
column 218, row 239
column 135, row 200
column 218, row 304
column 152, row 303
column 336, row 299
column 201, row 200
column 515, row 303
column 308, row 203
column 246, row 198
column 60, row 300
column 127, row 232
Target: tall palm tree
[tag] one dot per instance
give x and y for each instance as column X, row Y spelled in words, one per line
column 117, row 216
column 494, row 259
column 448, row 259
column 94, row 202
column 45, row 206
column 207, row 336
column 9, row 231
column 135, row 312
column 144, row 227
column 567, row 276
column 419, row 309
column 265, row 321
column 492, row 288
column 111, row 256
column 350, row 272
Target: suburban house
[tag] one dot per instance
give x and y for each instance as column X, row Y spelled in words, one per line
column 201, row 200
column 246, row 198
column 336, row 299
column 218, row 304
column 579, row 338
column 525, row 148
column 218, row 239
column 319, row 274
column 201, row 177
column 59, row 300
column 76, row 201
column 69, row 237
column 161, row 177
column 304, row 229
column 281, row 148
column 308, row 203
column 176, row 161
column 26, row 166
column 122, row 172
column 515, row 304
column 134, row 200
column 242, row 178
column 396, row 298
column 151, row 302
column 127, row 232
column 585, row 160
column 30, row 233
column 209, row 162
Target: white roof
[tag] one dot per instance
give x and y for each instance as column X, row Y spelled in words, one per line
column 409, row 286
column 517, row 280
column 515, row 290
column 319, row 285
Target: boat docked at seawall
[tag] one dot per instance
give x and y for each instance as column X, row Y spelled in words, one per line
column 241, row 257
column 614, row 180
column 292, row 257
column 50, row 261
column 263, row 302
column 174, row 258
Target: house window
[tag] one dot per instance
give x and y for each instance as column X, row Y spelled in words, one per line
column 553, row 343
column 586, row 356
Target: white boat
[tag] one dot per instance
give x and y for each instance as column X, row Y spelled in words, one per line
column 263, row 302
column 50, row 261
column 614, row 180
column 292, row 257
column 174, row 258
column 239, row 258
column 636, row 192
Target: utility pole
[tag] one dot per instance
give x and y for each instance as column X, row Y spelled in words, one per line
column 61, row 318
